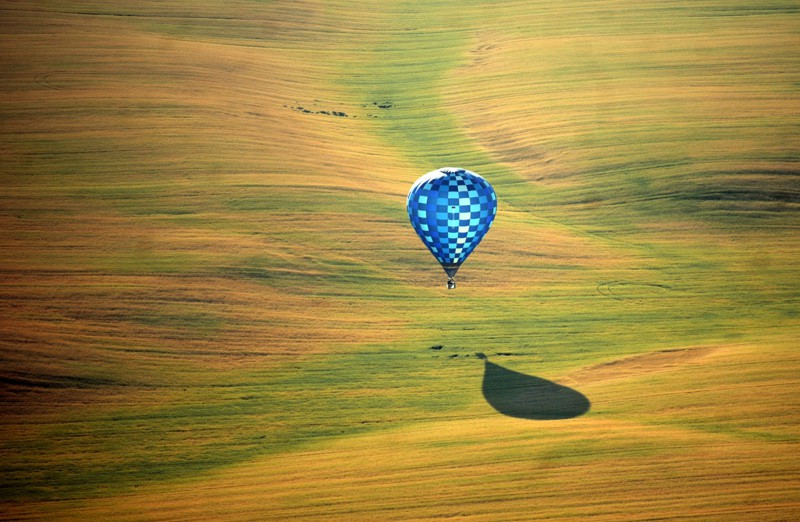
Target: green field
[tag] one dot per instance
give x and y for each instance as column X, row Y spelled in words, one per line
column 212, row 305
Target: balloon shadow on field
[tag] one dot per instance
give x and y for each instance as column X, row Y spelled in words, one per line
column 527, row 397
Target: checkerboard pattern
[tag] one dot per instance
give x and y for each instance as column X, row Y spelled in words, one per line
column 451, row 209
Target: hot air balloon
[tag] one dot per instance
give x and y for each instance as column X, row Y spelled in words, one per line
column 451, row 209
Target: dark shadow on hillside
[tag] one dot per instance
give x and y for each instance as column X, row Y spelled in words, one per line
column 527, row 397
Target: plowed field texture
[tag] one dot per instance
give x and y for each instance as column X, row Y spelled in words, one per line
column 213, row 306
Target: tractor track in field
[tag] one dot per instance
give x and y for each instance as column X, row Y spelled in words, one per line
column 624, row 290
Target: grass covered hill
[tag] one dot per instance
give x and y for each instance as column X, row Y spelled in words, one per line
column 212, row 305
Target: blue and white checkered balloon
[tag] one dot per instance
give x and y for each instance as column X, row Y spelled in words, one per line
column 451, row 210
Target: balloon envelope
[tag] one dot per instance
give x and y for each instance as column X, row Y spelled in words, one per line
column 451, row 210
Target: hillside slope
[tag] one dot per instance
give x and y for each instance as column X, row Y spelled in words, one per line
column 213, row 306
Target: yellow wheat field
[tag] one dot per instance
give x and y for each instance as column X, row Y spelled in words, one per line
column 212, row 306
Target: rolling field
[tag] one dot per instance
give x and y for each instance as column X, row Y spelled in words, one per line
column 212, row 305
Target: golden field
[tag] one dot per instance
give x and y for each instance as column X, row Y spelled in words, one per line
column 213, row 306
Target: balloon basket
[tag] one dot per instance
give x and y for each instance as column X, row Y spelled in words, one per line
column 451, row 283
